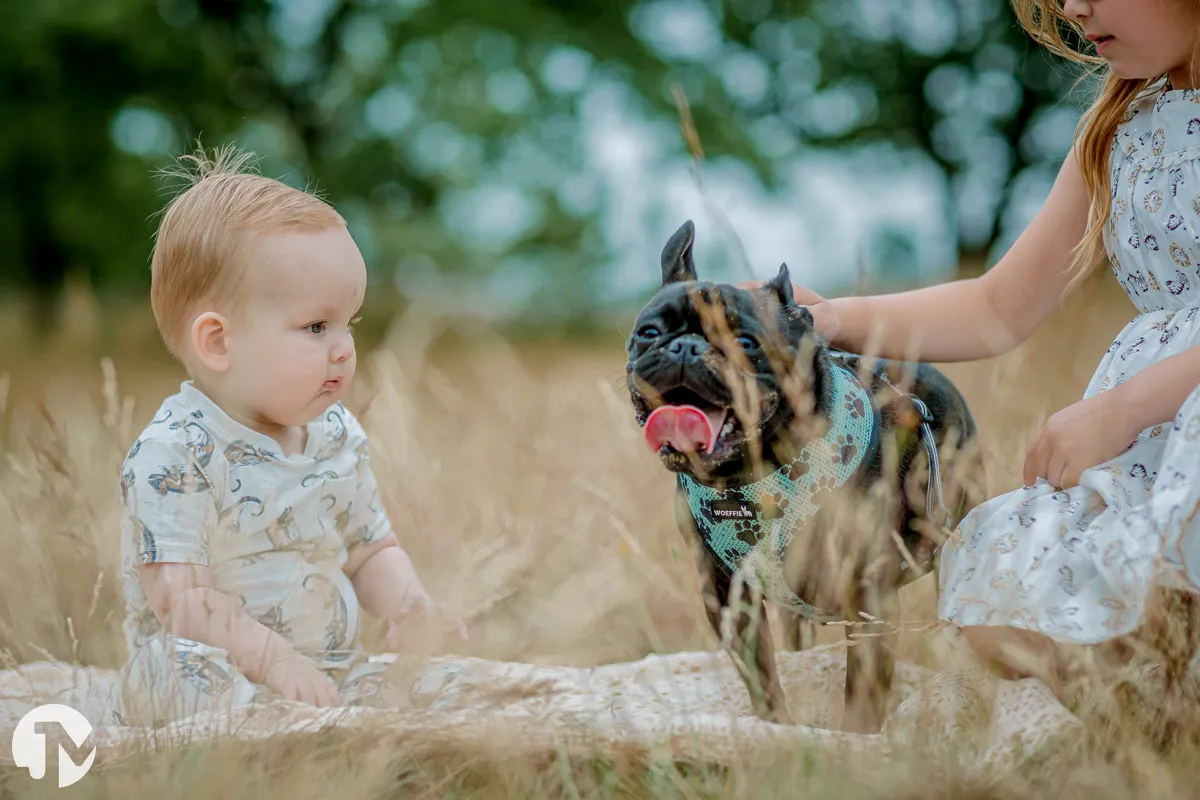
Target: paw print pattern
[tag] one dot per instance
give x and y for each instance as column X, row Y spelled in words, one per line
column 758, row 520
column 772, row 506
column 854, row 406
column 823, row 492
column 846, row 451
column 797, row 470
column 748, row 532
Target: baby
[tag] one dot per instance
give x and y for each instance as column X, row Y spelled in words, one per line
column 253, row 531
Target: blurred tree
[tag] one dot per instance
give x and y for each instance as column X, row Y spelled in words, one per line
column 449, row 133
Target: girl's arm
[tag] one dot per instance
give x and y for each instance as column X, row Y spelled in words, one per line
column 977, row 317
column 1155, row 395
column 1103, row 426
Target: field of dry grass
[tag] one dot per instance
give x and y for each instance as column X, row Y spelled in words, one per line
column 517, row 479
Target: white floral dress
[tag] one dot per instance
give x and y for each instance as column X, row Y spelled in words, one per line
column 1077, row 565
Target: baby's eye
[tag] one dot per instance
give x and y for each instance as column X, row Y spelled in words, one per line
column 316, row 327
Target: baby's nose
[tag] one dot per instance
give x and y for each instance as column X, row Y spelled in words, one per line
column 342, row 350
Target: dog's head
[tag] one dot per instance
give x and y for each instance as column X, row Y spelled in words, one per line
column 715, row 370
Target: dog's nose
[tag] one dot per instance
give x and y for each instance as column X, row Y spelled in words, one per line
column 688, row 347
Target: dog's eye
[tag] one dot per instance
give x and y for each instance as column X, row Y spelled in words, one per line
column 747, row 342
column 648, row 331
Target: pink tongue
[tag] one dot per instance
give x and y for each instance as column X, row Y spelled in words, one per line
column 686, row 428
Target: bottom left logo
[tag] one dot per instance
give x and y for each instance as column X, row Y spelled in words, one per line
column 29, row 742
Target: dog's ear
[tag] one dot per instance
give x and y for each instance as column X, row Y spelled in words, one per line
column 781, row 285
column 677, row 262
column 781, row 288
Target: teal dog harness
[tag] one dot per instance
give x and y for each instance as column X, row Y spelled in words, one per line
column 748, row 528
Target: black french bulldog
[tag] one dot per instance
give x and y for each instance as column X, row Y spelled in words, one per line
column 765, row 425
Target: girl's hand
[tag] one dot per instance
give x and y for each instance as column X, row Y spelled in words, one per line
column 1077, row 438
column 824, row 317
column 422, row 612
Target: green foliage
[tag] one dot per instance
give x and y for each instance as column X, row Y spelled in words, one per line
column 449, row 132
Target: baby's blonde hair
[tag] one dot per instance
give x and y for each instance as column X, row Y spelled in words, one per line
column 205, row 227
column 1044, row 21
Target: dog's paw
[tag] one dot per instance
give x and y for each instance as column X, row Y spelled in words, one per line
column 861, row 718
column 774, row 712
column 780, row 716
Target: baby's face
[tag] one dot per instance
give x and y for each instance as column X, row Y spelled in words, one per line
column 291, row 349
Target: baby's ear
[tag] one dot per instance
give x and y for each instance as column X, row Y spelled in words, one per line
column 210, row 341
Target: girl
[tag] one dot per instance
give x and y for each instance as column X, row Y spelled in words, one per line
column 1113, row 487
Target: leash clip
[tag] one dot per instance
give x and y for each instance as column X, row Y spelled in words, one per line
column 934, row 501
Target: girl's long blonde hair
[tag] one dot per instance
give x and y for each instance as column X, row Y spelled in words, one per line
column 1044, row 21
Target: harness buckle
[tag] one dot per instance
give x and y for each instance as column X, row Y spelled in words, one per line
column 935, row 505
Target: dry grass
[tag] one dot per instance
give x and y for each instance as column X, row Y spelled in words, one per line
column 517, row 479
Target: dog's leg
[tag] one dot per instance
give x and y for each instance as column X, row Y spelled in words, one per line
column 751, row 649
column 870, row 657
column 799, row 633
column 937, row 579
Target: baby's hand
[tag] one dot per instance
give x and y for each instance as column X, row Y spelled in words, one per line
column 297, row 678
column 424, row 612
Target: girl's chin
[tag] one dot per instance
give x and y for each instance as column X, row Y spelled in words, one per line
column 1127, row 72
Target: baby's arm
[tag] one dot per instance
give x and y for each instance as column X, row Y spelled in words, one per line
column 184, row 600
column 977, row 317
column 383, row 575
column 384, row 578
column 171, row 493
column 388, row 587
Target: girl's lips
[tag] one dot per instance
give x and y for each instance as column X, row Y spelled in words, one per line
column 329, row 386
column 1102, row 44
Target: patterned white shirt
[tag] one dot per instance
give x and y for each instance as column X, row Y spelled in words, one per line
column 201, row 488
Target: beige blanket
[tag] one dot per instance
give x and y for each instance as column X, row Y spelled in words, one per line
column 691, row 706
